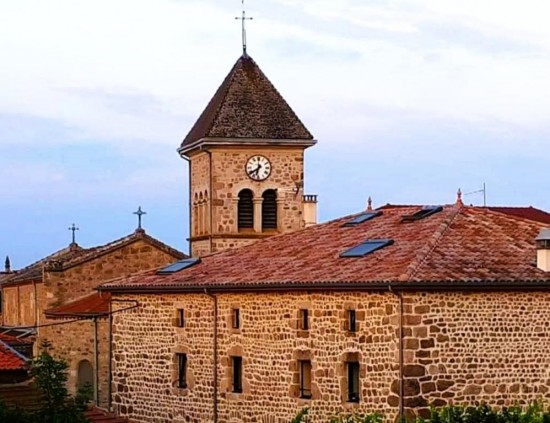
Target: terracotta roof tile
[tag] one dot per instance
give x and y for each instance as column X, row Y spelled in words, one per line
column 457, row 244
column 10, row 359
column 96, row 304
column 247, row 105
column 530, row 213
column 74, row 255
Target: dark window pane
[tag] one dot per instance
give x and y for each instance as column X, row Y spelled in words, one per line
column 269, row 210
column 425, row 212
column 366, row 247
column 237, row 374
column 182, row 370
column 245, row 208
column 181, row 317
column 305, row 379
column 363, row 217
column 352, row 324
column 304, row 319
column 236, row 318
column 353, row 381
column 179, row 265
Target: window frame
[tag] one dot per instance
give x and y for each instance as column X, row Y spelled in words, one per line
column 180, row 317
column 352, row 320
column 354, row 378
column 235, row 318
column 305, row 392
column 303, row 319
column 181, row 359
column 237, row 374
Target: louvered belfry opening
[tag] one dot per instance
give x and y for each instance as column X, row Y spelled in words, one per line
column 269, row 210
column 245, row 210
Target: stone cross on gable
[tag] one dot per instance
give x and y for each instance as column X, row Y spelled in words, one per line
column 139, row 213
column 243, row 19
column 73, row 228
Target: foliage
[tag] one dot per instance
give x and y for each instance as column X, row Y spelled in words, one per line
column 534, row 413
column 56, row 405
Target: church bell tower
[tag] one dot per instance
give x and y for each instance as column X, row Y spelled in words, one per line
column 246, row 158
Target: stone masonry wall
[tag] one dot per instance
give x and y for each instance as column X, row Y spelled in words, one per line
column 459, row 348
column 74, row 341
column 270, row 343
column 467, row 348
column 228, row 179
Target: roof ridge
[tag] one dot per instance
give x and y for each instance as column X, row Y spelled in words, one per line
column 500, row 210
column 425, row 252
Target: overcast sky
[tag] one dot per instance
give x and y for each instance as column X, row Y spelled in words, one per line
column 409, row 100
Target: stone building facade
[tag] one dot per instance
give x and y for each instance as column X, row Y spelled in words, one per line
column 246, row 119
column 451, row 311
column 38, row 296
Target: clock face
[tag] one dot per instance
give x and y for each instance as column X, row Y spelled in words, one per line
column 258, row 168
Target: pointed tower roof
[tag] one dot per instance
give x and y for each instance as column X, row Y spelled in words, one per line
column 247, row 106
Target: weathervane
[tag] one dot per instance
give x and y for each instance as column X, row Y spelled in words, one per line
column 73, row 228
column 243, row 18
column 139, row 213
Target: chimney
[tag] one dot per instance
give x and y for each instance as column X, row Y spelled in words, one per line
column 309, row 204
column 543, row 250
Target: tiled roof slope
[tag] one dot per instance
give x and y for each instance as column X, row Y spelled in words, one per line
column 247, row 105
column 530, row 212
column 459, row 244
column 96, row 304
column 74, row 255
column 34, row 270
column 10, row 359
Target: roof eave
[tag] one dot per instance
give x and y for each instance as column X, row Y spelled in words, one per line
column 340, row 286
column 184, row 149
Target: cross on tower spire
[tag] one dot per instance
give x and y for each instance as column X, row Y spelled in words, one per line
column 73, row 228
column 139, row 213
column 243, row 18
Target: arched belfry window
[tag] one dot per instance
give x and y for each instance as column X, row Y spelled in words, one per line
column 269, row 209
column 245, row 210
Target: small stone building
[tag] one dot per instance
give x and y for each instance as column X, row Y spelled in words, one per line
column 390, row 310
column 40, row 299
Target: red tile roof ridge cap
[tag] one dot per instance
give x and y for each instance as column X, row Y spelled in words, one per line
column 425, row 252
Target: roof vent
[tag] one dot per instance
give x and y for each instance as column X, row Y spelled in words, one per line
column 367, row 247
column 178, row 266
column 421, row 214
column 363, row 217
column 543, row 250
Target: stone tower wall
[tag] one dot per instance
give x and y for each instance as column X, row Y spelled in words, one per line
column 228, row 179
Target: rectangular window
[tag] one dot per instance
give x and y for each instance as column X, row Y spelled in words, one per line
column 353, row 381
column 182, row 370
column 236, row 318
column 180, row 320
column 304, row 315
column 305, row 379
column 352, row 321
column 237, row 374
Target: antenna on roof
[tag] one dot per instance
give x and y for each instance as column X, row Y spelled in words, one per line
column 482, row 190
column 243, row 18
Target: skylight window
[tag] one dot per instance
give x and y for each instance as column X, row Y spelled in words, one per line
column 363, row 217
column 421, row 214
column 178, row 266
column 367, row 247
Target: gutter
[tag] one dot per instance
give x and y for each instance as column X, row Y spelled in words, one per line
column 400, row 336
column 340, row 286
column 215, row 355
